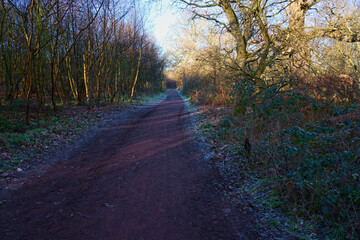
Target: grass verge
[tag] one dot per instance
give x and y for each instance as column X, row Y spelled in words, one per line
column 22, row 145
column 304, row 161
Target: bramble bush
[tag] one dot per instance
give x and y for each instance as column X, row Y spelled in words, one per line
column 307, row 146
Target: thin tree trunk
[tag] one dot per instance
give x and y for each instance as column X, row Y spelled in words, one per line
column 86, row 81
column 53, row 85
column 29, row 45
column 38, row 79
column 1, row 33
column 136, row 76
column 98, row 87
column 71, row 80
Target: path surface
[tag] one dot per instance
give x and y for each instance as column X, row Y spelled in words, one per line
column 141, row 179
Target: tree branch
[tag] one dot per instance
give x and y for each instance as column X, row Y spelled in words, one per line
column 343, row 35
column 190, row 3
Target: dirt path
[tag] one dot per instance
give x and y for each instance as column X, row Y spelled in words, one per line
column 141, row 179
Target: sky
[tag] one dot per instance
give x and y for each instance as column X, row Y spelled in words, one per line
column 163, row 17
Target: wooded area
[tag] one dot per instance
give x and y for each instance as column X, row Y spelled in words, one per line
column 282, row 78
column 83, row 52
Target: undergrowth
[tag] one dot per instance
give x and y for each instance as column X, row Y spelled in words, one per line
column 306, row 149
column 20, row 144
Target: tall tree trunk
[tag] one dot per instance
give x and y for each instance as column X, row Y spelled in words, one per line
column 136, row 76
column 98, row 78
column 55, row 62
column 70, row 78
column 1, row 34
column 86, row 81
column 298, row 48
column 38, row 57
column 30, row 62
column 53, row 84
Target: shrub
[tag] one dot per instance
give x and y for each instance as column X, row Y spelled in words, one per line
column 307, row 146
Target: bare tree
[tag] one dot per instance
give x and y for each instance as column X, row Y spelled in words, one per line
column 73, row 50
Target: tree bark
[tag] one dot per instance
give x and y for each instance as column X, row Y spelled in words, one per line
column 86, row 81
column 136, row 76
column 53, row 84
column 30, row 74
column 298, row 47
column 70, row 78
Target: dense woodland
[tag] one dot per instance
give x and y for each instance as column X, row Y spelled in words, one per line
column 282, row 78
column 83, row 51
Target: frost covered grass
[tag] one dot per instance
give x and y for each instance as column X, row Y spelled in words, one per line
column 22, row 145
column 306, row 150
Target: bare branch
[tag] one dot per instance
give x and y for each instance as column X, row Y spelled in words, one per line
column 190, row 3
column 343, row 35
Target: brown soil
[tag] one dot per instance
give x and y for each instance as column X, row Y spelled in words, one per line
column 142, row 178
